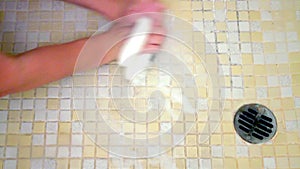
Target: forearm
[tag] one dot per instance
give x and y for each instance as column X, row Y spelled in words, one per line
column 37, row 67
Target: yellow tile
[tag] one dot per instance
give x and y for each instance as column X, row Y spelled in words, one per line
column 282, row 162
column 64, row 127
column 45, row 26
column 283, row 68
column 180, row 163
column 230, row 163
column 204, row 152
column 271, row 69
column 261, row 81
column 268, row 150
column 2, row 139
column 63, row 139
column 260, row 70
column 243, row 15
column 274, row 92
column 62, row 163
column 178, row 152
column 294, row 150
column 236, row 70
column 191, row 152
column 229, row 151
column 269, row 47
column 25, row 140
column 41, row 92
column 254, row 15
column 217, row 163
column 219, row 5
column 208, row 5
column 27, row 115
column 280, row 138
column 88, row 151
column 294, row 162
column 24, row 152
column 8, row 36
column 38, row 127
column 4, row 104
column 221, row 37
column 28, row 94
column 87, row 141
column 294, row 57
column 296, row 79
column 197, row 5
column 37, row 152
column 256, row 163
column 100, row 153
column 243, row 163
column 57, row 15
column 249, row 81
column 255, row 151
column 215, row 139
column 75, row 163
column 221, row 26
column 296, row 91
column 23, row 163
column 209, row 16
column 231, row 15
column 288, row 102
column 267, row 25
column 256, row 36
column 13, row 127
column 245, row 37
column 295, row 67
column 280, row 150
column 229, row 139
column 53, row 104
column 197, row 15
column 227, row 127
column 191, row 140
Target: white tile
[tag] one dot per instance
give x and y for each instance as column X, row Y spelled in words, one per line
column 192, row 164
column 51, row 139
column 202, row 104
column 77, row 139
column 209, row 26
column 270, row 59
column 233, row 36
column 103, row 92
column 81, row 26
column 40, row 104
column 285, row 80
column 30, row 46
column 45, row 5
column 32, row 36
column 8, row 26
column 266, row 15
column 3, row 115
column 26, row 127
column 233, row 48
column 226, row 93
column 282, row 58
column 237, row 81
column 76, row 151
column 268, row 36
column 76, row 127
column 280, row 47
column 15, row 104
column 53, row 92
column 65, row 104
column 224, row 70
column 220, row 15
column 10, row 5
column 269, row 163
column 293, row 46
column 58, row 5
column 66, row 92
column 88, row 164
column 242, row 151
column 255, row 26
column 36, row 163
column 232, row 26
column 101, row 163
column 292, row 36
column 51, row 127
column 27, row 104
column 198, row 26
column 286, row 92
column 44, row 36
column 257, row 48
column 280, row 36
column 50, row 152
column 22, row 6
column 10, row 164
column 52, row 115
column 20, row 37
column 217, row 151
column 237, row 93
column 81, row 15
column 297, row 102
column 1, row 152
column 10, row 16
column 241, row 5
column 275, row 5
column 66, row 82
column 69, row 15
column 298, row 15
column 19, row 47
column 222, row 48
column 38, row 139
column 236, row 59
column 40, row 115
column 63, row 152
column 244, row 26
column 3, row 127
column 273, row 81
column 65, row 115
column 205, row 163
column 292, row 125
column 261, row 92
column 258, row 59
column 246, row 48
column 21, row 26
column 11, row 152
column 210, row 37
column 49, row 164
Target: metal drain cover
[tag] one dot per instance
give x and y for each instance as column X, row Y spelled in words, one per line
column 255, row 123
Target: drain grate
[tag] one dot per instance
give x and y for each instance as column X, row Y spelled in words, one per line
column 255, row 123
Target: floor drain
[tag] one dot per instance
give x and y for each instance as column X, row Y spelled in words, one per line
column 255, row 123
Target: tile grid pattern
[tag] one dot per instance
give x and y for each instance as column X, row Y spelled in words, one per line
column 258, row 47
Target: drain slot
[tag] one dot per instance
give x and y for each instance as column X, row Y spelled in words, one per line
column 255, row 123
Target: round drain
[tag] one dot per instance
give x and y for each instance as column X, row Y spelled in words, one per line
column 255, row 123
